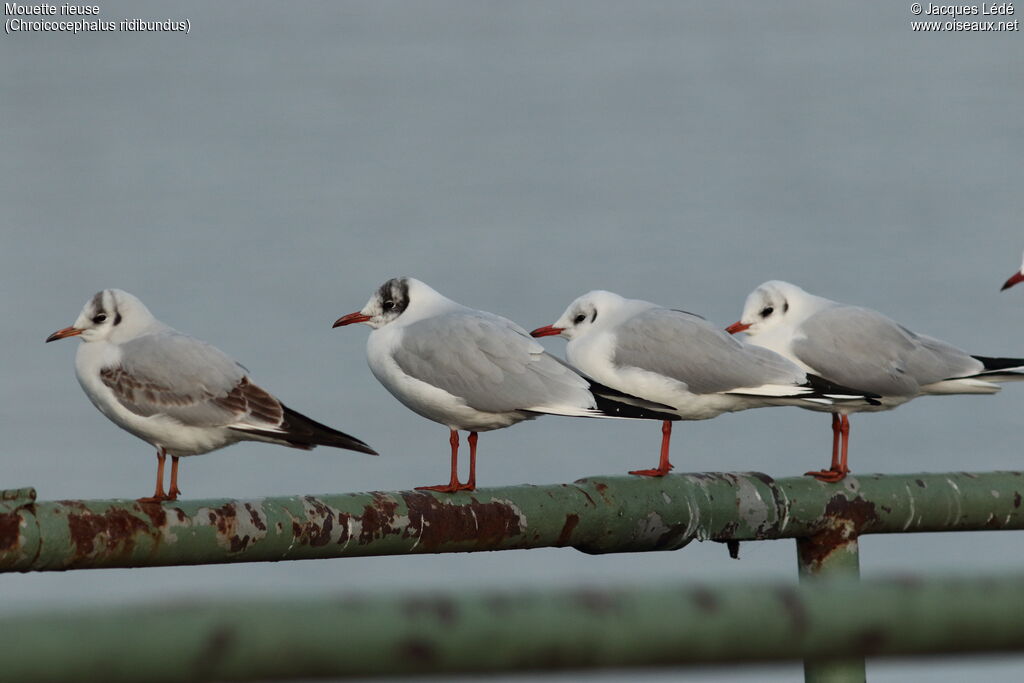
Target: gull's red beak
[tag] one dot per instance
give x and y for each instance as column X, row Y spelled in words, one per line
column 356, row 317
column 736, row 327
column 348, row 319
column 546, row 331
column 66, row 332
column 1014, row 279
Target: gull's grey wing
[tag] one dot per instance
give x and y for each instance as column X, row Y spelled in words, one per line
column 172, row 374
column 489, row 362
column 688, row 349
column 859, row 347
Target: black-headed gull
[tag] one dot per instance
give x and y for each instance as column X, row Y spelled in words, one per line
column 469, row 369
column 182, row 395
column 680, row 360
column 1014, row 279
column 860, row 347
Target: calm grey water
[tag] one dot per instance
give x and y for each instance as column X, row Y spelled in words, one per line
column 258, row 178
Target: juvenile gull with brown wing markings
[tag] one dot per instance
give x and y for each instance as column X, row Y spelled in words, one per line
column 180, row 394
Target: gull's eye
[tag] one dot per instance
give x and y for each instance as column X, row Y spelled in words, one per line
column 767, row 311
column 388, row 305
column 578, row 319
column 99, row 318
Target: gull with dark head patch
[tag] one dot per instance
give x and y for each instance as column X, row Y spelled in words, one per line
column 182, row 395
column 681, row 361
column 859, row 346
column 473, row 370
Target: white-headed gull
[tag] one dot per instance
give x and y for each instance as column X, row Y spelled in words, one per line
column 860, row 347
column 680, row 360
column 177, row 393
column 471, row 370
column 1014, row 279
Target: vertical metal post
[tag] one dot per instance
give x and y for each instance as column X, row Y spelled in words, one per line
column 832, row 553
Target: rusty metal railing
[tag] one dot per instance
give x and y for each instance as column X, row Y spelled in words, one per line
column 338, row 636
column 595, row 515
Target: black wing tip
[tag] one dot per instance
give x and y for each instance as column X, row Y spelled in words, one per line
column 304, row 431
column 828, row 388
column 993, row 363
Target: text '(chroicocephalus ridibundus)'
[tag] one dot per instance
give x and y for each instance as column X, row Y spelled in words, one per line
column 1014, row 279
column 863, row 348
column 469, row 369
column 180, row 394
column 680, row 360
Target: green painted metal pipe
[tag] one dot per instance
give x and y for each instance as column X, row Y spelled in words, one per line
column 596, row 515
column 338, row 636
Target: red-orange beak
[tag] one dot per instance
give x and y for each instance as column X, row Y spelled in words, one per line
column 736, row 327
column 356, row 317
column 66, row 332
column 1014, row 279
column 546, row 331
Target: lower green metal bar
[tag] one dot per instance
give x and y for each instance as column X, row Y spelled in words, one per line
column 595, row 515
column 338, row 636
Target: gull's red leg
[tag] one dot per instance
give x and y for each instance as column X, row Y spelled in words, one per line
column 158, row 495
column 173, row 493
column 663, row 464
column 471, row 484
column 838, row 470
column 453, row 485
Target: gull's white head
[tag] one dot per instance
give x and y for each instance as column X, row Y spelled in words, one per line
column 390, row 301
column 112, row 315
column 771, row 305
column 591, row 311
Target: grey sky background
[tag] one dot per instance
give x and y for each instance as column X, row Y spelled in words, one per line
column 258, row 178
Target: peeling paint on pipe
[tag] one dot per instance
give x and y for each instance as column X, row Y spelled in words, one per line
column 594, row 515
column 334, row 636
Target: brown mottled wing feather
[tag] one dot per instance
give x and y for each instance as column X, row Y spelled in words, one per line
column 198, row 385
column 244, row 405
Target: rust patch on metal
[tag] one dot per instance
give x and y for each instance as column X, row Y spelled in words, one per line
column 727, row 532
column 10, row 531
column 236, row 532
column 843, row 521
column 439, row 524
column 872, row 641
column 795, row 609
column 156, row 513
column 378, row 519
column 215, row 649
column 704, row 599
column 571, row 521
column 440, row 608
column 115, row 531
column 254, row 515
column 417, row 650
column 596, row 601
column 308, row 531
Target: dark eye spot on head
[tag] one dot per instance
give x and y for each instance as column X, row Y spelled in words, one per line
column 767, row 311
column 102, row 317
column 578, row 319
column 117, row 318
column 785, row 306
column 394, row 296
column 593, row 316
